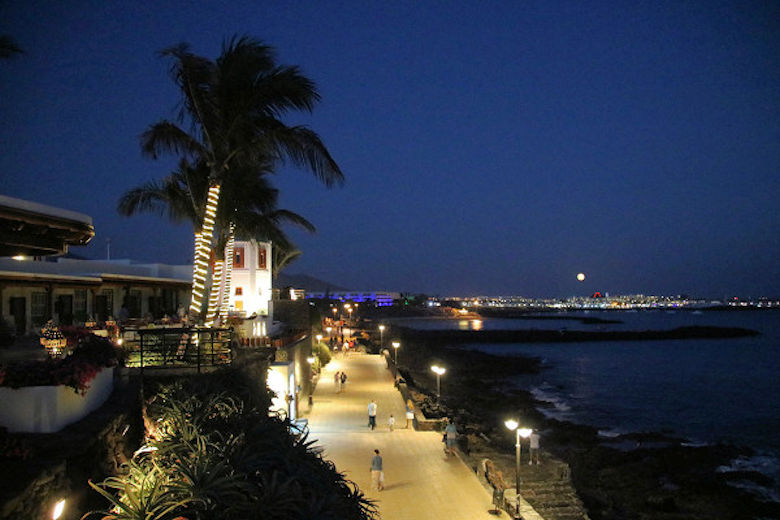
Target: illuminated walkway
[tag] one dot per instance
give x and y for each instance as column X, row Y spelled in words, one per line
column 420, row 481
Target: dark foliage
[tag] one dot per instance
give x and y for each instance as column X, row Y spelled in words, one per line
column 216, row 453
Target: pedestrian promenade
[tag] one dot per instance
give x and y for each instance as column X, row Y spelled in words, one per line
column 421, row 482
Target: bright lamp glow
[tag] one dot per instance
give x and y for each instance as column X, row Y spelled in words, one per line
column 439, row 370
column 381, row 328
column 319, row 338
column 396, row 344
column 525, row 432
column 512, row 424
column 59, row 507
column 310, row 359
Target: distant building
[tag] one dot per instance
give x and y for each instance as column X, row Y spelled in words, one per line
column 380, row 298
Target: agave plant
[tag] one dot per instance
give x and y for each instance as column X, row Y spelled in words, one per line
column 220, row 455
column 140, row 494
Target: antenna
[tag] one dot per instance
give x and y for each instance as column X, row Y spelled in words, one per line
column 108, row 249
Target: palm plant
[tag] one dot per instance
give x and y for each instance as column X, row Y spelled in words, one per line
column 222, row 456
column 233, row 108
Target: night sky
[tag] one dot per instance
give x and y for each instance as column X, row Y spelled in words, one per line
column 488, row 147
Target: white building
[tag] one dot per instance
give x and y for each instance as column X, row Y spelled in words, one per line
column 251, row 286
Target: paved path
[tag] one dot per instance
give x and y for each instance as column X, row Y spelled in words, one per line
column 421, row 482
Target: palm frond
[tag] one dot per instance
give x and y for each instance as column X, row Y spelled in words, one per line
column 166, row 137
column 306, row 150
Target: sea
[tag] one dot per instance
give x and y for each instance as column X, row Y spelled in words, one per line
column 704, row 390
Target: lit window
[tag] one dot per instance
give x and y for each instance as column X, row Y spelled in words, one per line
column 238, row 258
column 239, row 291
column 261, row 262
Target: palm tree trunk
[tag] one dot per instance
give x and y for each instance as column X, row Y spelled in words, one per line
column 228, row 274
column 202, row 251
column 214, row 296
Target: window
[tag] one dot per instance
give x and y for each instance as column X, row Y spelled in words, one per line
column 238, row 258
column 261, row 261
column 38, row 308
column 80, row 304
column 109, row 295
column 133, row 303
column 239, row 291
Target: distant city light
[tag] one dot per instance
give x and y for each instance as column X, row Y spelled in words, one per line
column 581, row 277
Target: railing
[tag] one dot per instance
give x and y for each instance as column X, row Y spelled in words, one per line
column 189, row 347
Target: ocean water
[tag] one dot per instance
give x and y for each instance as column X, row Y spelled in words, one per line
column 723, row 390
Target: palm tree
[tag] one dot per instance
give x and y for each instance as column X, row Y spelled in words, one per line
column 251, row 211
column 282, row 257
column 233, row 108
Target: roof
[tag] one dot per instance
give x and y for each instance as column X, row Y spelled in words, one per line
column 32, row 229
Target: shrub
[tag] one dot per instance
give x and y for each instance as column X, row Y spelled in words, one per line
column 322, row 352
column 216, row 453
column 76, row 371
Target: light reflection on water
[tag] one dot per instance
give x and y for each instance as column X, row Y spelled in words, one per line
column 467, row 325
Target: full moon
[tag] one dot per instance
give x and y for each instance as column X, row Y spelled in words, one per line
column 581, row 277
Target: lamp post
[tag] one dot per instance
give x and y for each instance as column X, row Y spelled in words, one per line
column 439, row 372
column 328, row 329
column 396, row 344
column 381, row 337
column 319, row 338
column 311, row 360
column 524, row 433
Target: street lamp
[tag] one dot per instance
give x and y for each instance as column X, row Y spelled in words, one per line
column 524, row 433
column 381, row 336
column 59, row 507
column 319, row 338
column 396, row 344
column 311, row 360
column 439, row 372
column 328, row 329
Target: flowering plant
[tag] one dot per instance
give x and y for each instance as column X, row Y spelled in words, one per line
column 76, row 371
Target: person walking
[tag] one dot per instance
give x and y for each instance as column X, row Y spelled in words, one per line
column 534, row 451
column 372, row 414
column 377, row 472
column 451, row 436
column 337, row 381
column 343, row 378
column 391, row 422
column 409, row 414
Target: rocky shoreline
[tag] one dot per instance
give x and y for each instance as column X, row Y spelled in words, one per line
column 658, row 477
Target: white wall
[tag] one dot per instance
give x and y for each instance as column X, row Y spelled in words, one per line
column 254, row 282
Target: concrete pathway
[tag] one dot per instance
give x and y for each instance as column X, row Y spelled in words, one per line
column 421, row 482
